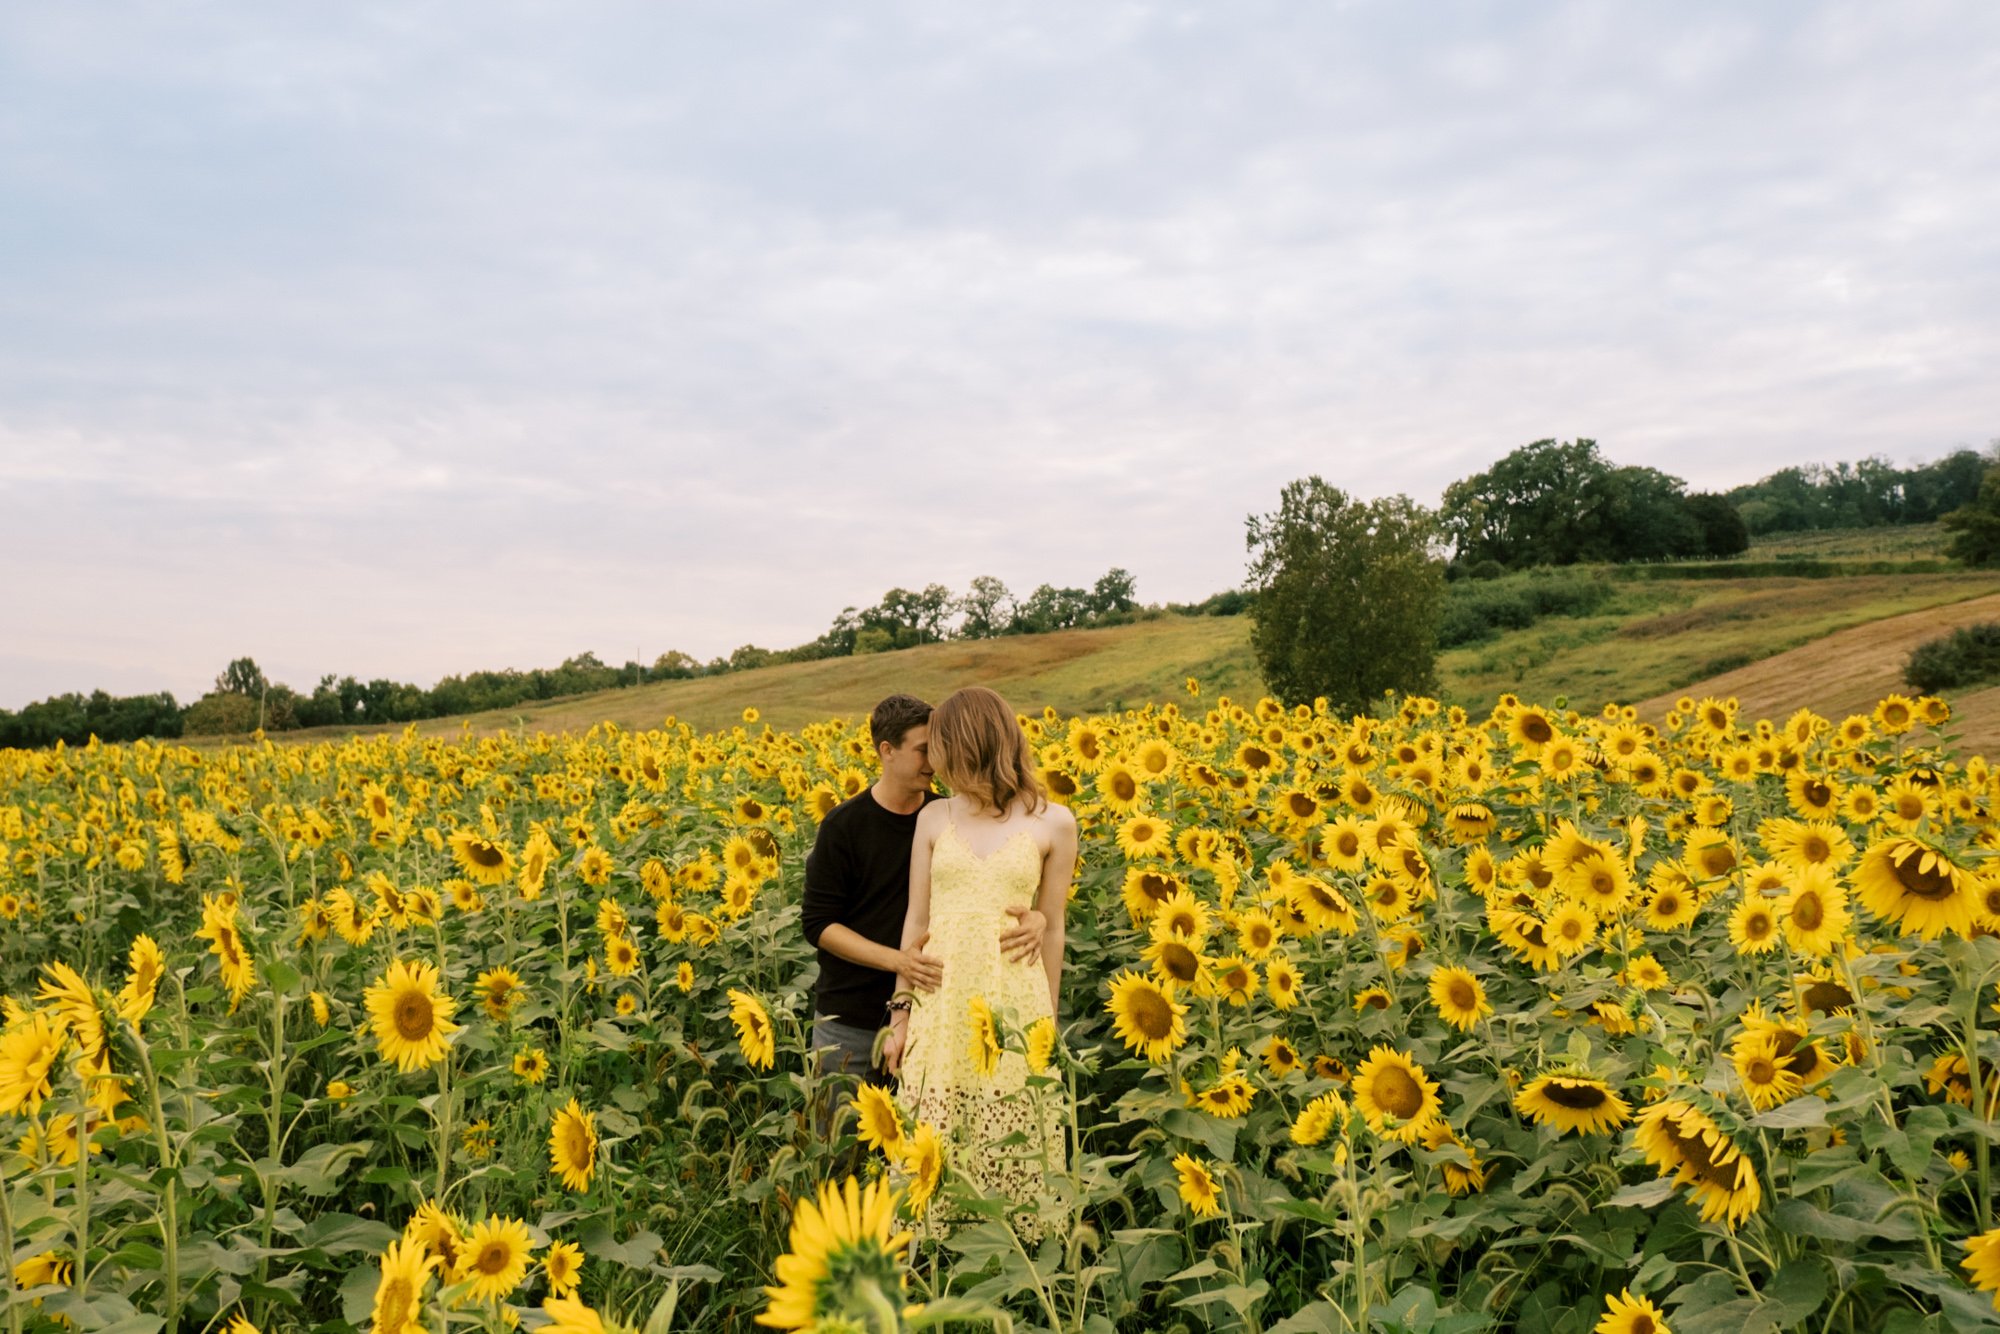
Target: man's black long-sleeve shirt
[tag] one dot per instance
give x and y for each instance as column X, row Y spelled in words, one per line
column 858, row 874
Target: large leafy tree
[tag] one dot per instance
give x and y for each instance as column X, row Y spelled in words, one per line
column 1975, row 527
column 1349, row 596
column 1560, row 502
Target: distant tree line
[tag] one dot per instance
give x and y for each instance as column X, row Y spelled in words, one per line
column 1555, row 503
column 1870, row 494
column 244, row 699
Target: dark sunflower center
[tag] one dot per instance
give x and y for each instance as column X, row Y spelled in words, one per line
column 1124, row 787
column 1461, row 994
column 1536, row 729
column 1397, row 1093
column 1809, row 912
column 1151, row 1014
column 1180, row 963
column 493, row 1257
column 1816, row 793
column 1934, row 884
column 483, row 853
column 1576, row 1097
column 1760, row 1070
column 1828, row 997
column 413, row 1016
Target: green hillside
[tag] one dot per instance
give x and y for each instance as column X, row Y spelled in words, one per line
column 1653, row 637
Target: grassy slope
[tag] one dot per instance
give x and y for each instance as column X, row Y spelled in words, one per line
column 1654, row 638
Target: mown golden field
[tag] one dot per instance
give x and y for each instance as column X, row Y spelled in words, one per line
column 1423, row 1022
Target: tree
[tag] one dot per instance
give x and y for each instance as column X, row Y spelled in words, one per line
column 674, row 665
column 1113, row 593
column 1050, row 608
column 1349, row 596
column 1975, row 528
column 1723, row 532
column 242, row 677
column 985, row 609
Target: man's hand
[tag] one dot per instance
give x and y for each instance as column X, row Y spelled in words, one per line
column 924, row 972
column 1022, row 942
column 892, row 1048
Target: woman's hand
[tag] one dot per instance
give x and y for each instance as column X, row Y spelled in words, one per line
column 1022, row 942
column 892, row 1046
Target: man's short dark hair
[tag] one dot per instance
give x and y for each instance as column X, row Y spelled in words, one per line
column 895, row 716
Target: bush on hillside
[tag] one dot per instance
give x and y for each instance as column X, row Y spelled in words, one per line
column 1966, row 657
column 1476, row 609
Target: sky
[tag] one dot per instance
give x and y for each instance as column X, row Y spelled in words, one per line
column 409, row 339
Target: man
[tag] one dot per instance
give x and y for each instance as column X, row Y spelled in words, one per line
column 858, row 891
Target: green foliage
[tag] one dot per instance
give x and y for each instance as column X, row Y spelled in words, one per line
column 1975, row 527
column 1871, row 493
column 1477, row 610
column 73, row 719
column 1349, row 596
column 1966, row 657
column 1558, row 503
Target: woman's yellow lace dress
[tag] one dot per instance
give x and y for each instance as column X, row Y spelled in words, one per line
column 941, row 1081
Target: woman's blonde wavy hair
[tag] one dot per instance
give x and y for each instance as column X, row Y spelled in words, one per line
column 978, row 748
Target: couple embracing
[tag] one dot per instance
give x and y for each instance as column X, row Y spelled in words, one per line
column 931, row 913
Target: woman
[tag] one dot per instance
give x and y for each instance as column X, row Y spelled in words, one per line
column 996, row 843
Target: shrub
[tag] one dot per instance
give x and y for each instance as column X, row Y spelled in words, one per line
column 1962, row 658
column 1476, row 609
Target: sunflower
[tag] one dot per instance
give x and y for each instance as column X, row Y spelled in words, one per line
column 1802, row 843
column 1671, row 906
column 28, row 1052
column 1280, row 1057
column 1283, row 981
column 1394, row 1096
column 399, row 1293
column 70, row 998
column 594, row 867
column 1256, row 933
column 1895, row 713
column 1529, row 730
column 877, row 1121
column 1147, row 889
column 1918, row 887
column 984, row 1037
column 1177, row 966
column 531, row 1066
column 494, row 1258
column 1183, row 917
column 1341, row 844
column 1573, row 1103
column 144, row 966
column 1600, row 881
column 1753, row 926
column 1197, row 1186
column 1766, row 1079
column 1153, row 760
column 1682, row 1141
column 1319, row 1118
column 1815, row 914
column 218, row 927
column 1459, row 1178
column 1235, row 979
column 1041, row 1044
column 1982, row 1262
column 754, row 1034
column 499, row 992
column 573, row 1145
column 1119, row 788
column 1571, row 929
column 1459, row 997
column 621, row 956
column 1626, row 1314
column 1144, row 836
column 923, row 1163
column 1146, row 1016
column 844, row 1242
column 411, row 1018
column 1229, row 1097
column 483, row 859
column 563, row 1265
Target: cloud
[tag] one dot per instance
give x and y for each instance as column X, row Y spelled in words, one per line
column 405, row 340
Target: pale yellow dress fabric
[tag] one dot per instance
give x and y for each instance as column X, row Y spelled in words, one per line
column 941, row 1082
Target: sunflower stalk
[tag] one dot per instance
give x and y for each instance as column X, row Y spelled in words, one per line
column 170, row 1232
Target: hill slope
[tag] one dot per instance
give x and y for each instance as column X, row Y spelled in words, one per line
column 1776, row 643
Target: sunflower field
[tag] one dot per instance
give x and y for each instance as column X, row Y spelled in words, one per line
column 1415, row 1022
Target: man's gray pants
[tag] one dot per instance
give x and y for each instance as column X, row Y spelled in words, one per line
column 846, row 1055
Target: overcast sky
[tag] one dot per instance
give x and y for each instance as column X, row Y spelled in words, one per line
column 405, row 339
